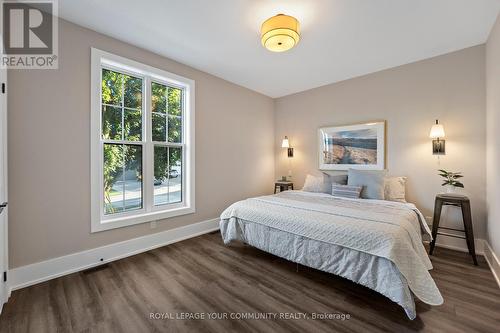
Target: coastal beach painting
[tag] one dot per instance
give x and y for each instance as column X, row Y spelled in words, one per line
column 352, row 147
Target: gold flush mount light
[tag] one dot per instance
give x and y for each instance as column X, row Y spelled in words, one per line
column 280, row 33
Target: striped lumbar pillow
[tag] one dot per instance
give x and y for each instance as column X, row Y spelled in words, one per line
column 346, row 191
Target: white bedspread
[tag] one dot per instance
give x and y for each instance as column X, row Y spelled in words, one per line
column 389, row 231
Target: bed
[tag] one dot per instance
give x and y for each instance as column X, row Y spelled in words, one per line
column 375, row 243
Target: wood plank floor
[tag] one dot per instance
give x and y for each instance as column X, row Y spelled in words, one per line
column 201, row 275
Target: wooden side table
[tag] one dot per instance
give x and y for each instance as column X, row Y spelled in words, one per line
column 283, row 186
column 463, row 203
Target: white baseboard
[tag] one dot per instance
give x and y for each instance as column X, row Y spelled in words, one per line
column 459, row 244
column 28, row 275
column 493, row 261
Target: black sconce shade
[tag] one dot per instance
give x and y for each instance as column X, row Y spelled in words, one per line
column 290, row 152
column 438, row 147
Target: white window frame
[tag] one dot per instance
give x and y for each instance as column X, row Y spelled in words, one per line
column 149, row 212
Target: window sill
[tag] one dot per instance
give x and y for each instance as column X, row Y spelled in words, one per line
column 124, row 221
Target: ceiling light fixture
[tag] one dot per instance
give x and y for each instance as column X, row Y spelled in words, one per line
column 280, row 33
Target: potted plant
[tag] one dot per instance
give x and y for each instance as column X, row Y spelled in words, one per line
column 451, row 180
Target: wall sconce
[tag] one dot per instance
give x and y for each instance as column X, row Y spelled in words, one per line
column 437, row 133
column 286, row 144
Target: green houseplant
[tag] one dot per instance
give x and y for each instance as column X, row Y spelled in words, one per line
column 451, row 180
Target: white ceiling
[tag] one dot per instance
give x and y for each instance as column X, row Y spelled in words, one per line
column 341, row 39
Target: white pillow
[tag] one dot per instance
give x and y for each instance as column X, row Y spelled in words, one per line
column 318, row 184
column 394, row 189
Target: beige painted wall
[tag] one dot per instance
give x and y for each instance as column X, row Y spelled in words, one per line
column 49, row 149
column 493, row 138
column 449, row 87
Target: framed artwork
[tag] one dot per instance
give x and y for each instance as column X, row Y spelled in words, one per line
column 360, row 146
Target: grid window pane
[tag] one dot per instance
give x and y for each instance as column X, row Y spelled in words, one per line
column 122, row 178
column 133, row 125
column 168, row 175
column 174, row 101
column 166, row 100
column 175, row 175
column 158, row 98
column 159, row 127
column 132, row 177
column 174, row 129
column 122, row 105
column 113, row 169
column 111, row 122
column 112, row 87
column 132, row 92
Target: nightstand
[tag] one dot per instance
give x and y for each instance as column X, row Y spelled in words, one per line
column 462, row 202
column 283, row 186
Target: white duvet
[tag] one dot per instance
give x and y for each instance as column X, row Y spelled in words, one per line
column 372, row 242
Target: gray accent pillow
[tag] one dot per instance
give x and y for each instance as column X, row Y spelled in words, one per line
column 338, row 179
column 372, row 181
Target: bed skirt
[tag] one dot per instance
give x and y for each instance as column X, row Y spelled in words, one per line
column 376, row 273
